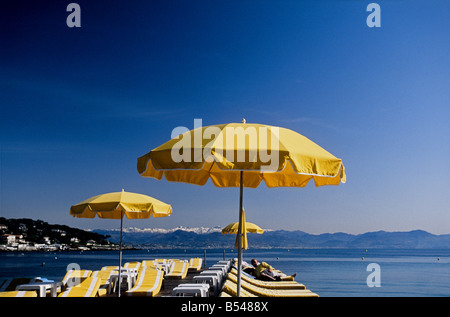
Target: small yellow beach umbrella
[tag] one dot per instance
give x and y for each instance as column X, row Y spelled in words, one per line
column 247, row 227
column 224, row 153
column 116, row 205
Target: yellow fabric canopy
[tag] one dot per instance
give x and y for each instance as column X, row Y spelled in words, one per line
column 114, row 205
column 279, row 156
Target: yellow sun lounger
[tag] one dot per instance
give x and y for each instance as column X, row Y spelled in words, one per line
column 266, row 292
column 18, row 294
column 178, row 269
column 74, row 277
column 229, row 289
column 105, row 282
column 148, row 283
column 270, row 285
column 87, row 288
column 224, row 294
column 195, row 264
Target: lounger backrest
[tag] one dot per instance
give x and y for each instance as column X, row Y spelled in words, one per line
column 132, row 265
column 102, row 275
column 148, row 283
column 148, row 276
column 178, row 269
column 87, row 288
column 74, row 277
column 195, row 263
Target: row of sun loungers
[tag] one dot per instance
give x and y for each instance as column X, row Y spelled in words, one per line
column 146, row 279
column 221, row 280
column 251, row 287
column 143, row 278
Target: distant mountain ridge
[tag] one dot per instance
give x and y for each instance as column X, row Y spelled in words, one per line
column 203, row 237
column 198, row 230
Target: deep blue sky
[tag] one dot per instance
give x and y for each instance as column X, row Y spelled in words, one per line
column 80, row 105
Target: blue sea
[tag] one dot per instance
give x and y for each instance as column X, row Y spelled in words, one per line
column 327, row 272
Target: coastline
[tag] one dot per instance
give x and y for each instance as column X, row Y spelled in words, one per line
column 6, row 249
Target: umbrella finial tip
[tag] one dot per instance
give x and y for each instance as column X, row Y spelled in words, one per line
column 243, row 120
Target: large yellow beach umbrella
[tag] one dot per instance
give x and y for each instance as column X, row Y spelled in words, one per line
column 242, row 155
column 119, row 204
column 247, row 227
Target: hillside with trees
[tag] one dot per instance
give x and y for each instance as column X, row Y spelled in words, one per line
column 27, row 234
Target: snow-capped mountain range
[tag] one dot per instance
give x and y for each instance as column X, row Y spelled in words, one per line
column 197, row 230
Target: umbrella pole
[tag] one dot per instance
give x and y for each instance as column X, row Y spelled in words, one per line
column 120, row 250
column 240, row 237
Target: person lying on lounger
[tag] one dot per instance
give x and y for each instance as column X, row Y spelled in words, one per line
column 265, row 272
